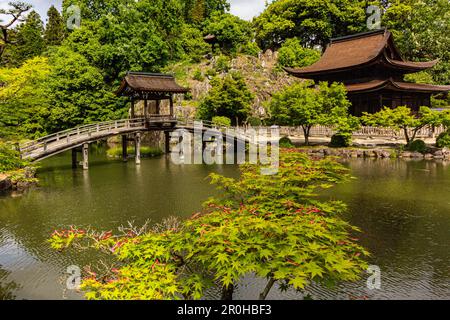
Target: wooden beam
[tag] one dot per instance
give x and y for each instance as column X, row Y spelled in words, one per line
column 171, row 105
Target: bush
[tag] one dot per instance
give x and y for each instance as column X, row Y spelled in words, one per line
column 340, row 140
column 251, row 49
column 285, row 142
column 254, row 121
column 417, row 146
column 146, row 152
column 221, row 121
column 443, row 140
column 222, row 64
column 10, row 158
column 198, row 75
column 293, row 54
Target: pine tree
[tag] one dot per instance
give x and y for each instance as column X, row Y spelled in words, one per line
column 30, row 41
column 55, row 31
column 199, row 11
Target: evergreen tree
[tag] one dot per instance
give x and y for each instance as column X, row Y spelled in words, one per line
column 54, row 32
column 30, row 41
column 198, row 12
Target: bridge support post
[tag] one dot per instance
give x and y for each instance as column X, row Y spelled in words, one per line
column 137, row 146
column 124, row 148
column 167, row 142
column 74, row 159
column 85, row 156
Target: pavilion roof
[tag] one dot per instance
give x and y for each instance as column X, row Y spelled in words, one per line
column 359, row 50
column 376, row 85
column 137, row 83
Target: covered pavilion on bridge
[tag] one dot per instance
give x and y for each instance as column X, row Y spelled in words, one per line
column 147, row 87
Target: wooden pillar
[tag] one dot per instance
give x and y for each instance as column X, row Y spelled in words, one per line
column 85, row 152
column 171, row 105
column 146, row 108
column 137, row 147
column 167, row 142
column 158, row 107
column 132, row 108
column 74, row 158
column 124, row 148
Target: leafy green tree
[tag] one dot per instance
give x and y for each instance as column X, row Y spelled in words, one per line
column 230, row 31
column 23, row 99
column 195, row 11
column 402, row 118
column 293, row 54
column 229, row 97
column 193, row 45
column 313, row 22
column 270, row 226
column 420, row 29
column 305, row 106
column 29, row 40
column 77, row 93
column 55, row 29
column 138, row 36
column 15, row 13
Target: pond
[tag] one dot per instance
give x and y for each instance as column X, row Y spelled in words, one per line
column 402, row 207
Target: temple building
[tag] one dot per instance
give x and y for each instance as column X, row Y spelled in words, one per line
column 372, row 70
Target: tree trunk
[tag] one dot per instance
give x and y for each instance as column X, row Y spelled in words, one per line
column 227, row 293
column 267, row 289
column 306, row 131
column 408, row 140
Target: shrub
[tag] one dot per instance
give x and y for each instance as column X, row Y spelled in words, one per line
column 285, row 142
column 10, row 158
column 254, row 121
column 198, row 75
column 251, row 49
column 417, row 146
column 221, row 121
column 443, row 140
column 340, row 140
column 222, row 64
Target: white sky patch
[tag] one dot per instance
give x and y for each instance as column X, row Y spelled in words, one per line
column 247, row 9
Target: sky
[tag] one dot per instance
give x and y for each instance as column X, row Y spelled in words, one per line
column 246, row 9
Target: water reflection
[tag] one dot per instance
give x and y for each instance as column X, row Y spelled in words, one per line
column 402, row 207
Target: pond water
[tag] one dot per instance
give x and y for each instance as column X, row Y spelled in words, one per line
column 402, row 207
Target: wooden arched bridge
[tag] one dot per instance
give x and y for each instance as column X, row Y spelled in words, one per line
column 81, row 137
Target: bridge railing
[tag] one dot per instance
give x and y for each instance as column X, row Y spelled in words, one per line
column 68, row 136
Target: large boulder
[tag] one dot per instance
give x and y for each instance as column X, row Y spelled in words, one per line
column 5, row 182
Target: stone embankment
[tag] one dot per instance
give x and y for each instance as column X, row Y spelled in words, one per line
column 380, row 153
column 18, row 180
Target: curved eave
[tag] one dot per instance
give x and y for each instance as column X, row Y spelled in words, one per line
column 377, row 85
column 126, row 89
column 412, row 66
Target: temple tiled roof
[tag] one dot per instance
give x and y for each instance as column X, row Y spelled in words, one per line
column 360, row 50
